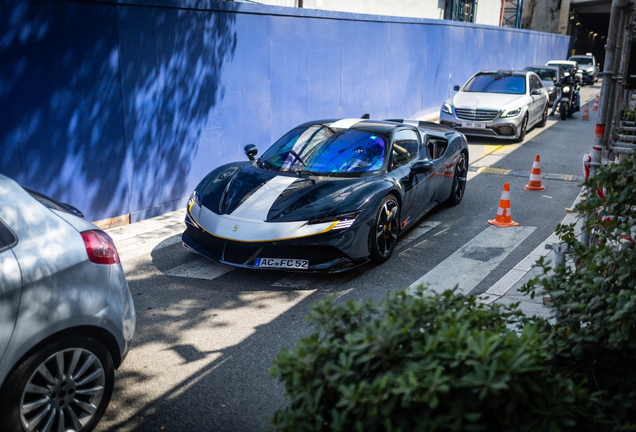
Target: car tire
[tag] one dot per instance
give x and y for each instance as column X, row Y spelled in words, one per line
column 69, row 380
column 544, row 117
column 459, row 181
column 524, row 129
column 385, row 229
column 563, row 110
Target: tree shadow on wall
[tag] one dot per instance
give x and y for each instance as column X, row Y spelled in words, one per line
column 106, row 102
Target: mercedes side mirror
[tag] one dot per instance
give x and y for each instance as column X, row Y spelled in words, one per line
column 456, row 88
column 250, row 151
column 421, row 167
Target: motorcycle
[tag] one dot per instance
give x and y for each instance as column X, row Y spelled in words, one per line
column 568, row 105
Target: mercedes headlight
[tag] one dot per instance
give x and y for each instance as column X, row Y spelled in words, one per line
column 512, row 112
column 447, row 108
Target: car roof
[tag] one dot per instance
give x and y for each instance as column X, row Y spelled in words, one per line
column 376, row 127
column 572, row 62
column 581, row 56
column 504, row 72
column 543, row 66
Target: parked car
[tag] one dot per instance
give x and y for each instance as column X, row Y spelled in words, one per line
column 588, row 66
column 549, row 75
column 67, row 317
column 499, row 104
column 328, row 196
column 566, row 65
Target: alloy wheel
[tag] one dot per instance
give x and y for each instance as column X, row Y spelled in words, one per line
column 64, row 392
column 386, row 231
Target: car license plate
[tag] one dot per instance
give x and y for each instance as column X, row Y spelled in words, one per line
column 281, row 263
column 474, row 125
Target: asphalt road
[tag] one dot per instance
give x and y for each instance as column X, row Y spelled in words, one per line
column 206, row 334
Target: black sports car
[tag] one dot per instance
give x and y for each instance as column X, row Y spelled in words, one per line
column 328, row 196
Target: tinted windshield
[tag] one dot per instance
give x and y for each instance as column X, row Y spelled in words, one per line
column 582, row 60
column 544, row 74
column 321, row 150
column 496, row 83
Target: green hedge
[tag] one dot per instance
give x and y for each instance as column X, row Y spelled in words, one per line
column 440, row 362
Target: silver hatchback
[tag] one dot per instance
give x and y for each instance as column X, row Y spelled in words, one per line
column 66, row 314
column 498, row 104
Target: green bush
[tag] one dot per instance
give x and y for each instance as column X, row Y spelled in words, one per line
column 595, row 341
column 426, row 362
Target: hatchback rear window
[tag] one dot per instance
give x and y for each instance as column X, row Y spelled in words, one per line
column 497, row 83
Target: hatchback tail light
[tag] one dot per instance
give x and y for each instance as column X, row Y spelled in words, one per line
column 100, row 247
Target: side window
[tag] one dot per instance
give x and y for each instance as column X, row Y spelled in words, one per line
column 7, row 238
column 405, row 148
column 539, row 83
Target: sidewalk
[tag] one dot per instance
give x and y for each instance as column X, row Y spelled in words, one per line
column 506, row 290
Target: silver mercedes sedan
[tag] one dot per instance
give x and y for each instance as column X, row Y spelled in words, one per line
column 66, row 314
column 498, row 104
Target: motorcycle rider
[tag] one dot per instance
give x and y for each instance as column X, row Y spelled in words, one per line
column 572, row 80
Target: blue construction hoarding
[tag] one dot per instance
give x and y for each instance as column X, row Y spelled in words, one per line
column 121, row 107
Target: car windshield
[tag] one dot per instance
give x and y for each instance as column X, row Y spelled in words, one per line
column 544, row 74
column 319, row 149
column 496, row 83
column 582, row 60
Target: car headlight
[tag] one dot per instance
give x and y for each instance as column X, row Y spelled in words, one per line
column 345, row 220
column 590, row 70
column 512, row 112
column 447, row 108
column 194, row 198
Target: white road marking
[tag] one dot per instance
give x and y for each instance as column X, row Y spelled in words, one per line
column 416, row 233
column 470, row 264
column 200, row 268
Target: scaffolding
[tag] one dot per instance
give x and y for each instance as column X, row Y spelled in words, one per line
column 614, row 137
column 511, row 13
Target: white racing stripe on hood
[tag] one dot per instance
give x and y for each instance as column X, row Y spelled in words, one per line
column 345, row 123
column 258, row 205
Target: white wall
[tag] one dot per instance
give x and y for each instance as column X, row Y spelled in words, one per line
column 488, row 12
column 404, row 8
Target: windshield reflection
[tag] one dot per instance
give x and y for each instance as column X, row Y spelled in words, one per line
column 319, row 149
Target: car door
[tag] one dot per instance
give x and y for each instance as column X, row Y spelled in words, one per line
column 405, row 150
column 10, row 286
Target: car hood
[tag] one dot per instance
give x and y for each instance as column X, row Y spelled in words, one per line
column 494, row 101
column 262, row 195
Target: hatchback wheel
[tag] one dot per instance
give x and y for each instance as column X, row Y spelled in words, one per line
column 66, row 386
column 385, row 232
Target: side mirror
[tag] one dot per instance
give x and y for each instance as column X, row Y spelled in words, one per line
column 536, row 92
column 421, row 167
column 251, row 151
column 456, row 88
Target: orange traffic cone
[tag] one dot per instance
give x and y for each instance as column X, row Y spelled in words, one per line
column 535, row 176
column 586, row 113
column 595, row 107
column 504, row 215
